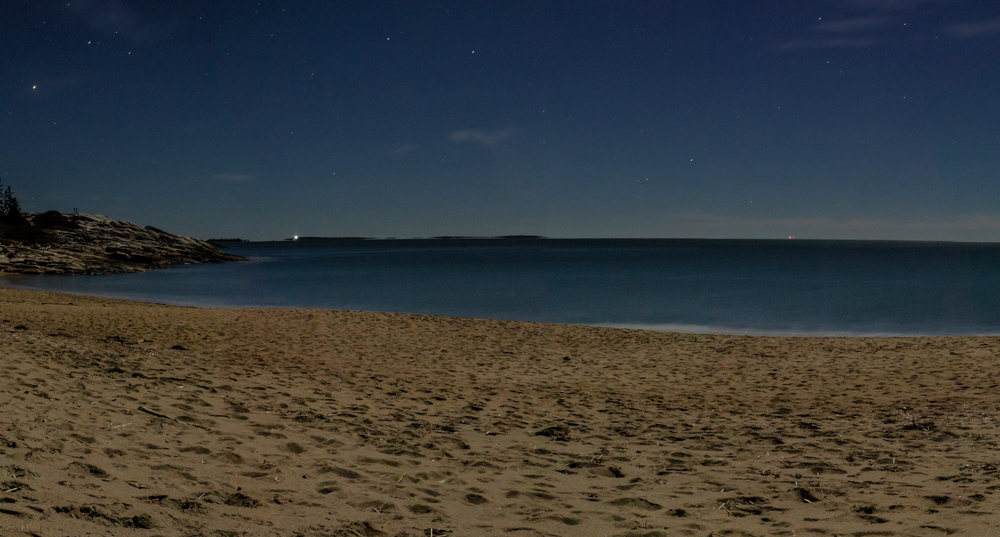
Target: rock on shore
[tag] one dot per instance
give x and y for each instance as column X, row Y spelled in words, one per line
column 96, row 244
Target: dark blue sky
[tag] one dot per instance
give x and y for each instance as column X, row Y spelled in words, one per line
column 866, row 119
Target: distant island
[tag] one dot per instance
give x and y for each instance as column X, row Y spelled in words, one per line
column 57, row 243
column 437, row 238
column 501, row 238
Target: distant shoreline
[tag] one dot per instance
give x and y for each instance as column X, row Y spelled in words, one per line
column 625, row 240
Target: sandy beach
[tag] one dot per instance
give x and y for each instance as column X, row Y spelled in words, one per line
column 121, row 419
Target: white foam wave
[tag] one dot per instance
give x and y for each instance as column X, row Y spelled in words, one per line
column 746, row 331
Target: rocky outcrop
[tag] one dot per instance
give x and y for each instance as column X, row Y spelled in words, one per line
column 95, row 244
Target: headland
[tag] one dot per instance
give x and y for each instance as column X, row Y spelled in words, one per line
column 56, row 243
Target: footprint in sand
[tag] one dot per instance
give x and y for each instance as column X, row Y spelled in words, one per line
column 346, row 474
column 328, row 487
column 238, row 499
column 419, row 509
column 475, row 499
column 82, row 468
column 637, row 503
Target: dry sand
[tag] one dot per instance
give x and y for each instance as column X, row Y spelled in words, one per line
column 119, row 418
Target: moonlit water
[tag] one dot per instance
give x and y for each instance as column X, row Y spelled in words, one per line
column 707, row 286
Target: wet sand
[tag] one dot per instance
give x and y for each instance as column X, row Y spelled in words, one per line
column 120, row 418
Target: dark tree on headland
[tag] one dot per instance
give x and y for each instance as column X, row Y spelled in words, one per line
column 10, row 209
column 15, row 228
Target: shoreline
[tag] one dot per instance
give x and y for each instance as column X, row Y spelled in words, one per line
column 126, row 418
column 668, row 328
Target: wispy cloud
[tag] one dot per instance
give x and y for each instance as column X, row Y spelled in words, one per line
column 958, row 30
column 404, row 149
column 801, row 225
column 881, row 22
column 116, row 17
column 234, row 177
column 974, row 29
column 892, row 5
column 850, row 26
column 847, row 33
column 486, row 138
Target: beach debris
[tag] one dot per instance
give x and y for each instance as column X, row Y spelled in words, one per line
column 806, row 495
column 360, row 529
column 637, row 503
column 915, row 425
column 155, row 413
column 559, row 433
column 238, row 499
column 867, row 512
column 144, row 522
column 120, row 340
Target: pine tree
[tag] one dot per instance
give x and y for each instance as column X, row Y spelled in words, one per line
column 13, row 207
column 3, row 205
column 10, row 209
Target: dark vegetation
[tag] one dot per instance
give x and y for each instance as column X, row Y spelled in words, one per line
column 54, row 220
column 16, row 227
column 10, row 209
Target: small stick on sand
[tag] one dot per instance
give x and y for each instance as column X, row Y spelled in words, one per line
column 164, row 416
column 155, row 413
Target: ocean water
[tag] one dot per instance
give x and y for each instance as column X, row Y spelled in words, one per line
column 788, row 287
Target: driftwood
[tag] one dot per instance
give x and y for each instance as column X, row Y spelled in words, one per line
column 155, row 413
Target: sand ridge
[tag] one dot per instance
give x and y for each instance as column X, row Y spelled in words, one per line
column 139, row 419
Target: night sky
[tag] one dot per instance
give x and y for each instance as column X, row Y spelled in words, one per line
column 854, row 119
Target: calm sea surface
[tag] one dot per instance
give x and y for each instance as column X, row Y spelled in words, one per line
column 710, row 286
